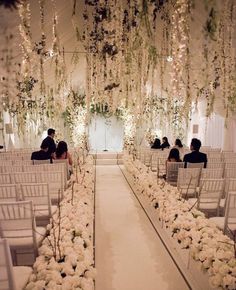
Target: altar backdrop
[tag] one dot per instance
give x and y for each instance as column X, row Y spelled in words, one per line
column 106, row 133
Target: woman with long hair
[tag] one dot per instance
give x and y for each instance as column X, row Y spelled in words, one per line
column 62, row 152
column 174, row 156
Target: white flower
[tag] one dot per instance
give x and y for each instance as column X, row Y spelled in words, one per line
column 229, row 282
column 215, row 281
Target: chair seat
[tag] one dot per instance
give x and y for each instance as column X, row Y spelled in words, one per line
column 27, row 241
column 42, row 210
column 208, row 204
column 21, row 275
column 219, row 221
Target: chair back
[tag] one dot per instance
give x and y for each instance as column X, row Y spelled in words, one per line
column 36, row 162
column 59, row 165
column 230, row 213
column 187, row 181
column 33, row 168
column 7, row 281
column 210, row 173
column 5, row 178
column 12, row 168
column 230, row 173
column 195, row 165
column 215, row 165
column 24, row 177
column 55, row 181
column 210, row 193
column 8, row 193
column 17, row 224
column 39, row 194
column 161, row 166
column 172, row 172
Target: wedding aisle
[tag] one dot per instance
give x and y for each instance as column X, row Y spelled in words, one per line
column 129, row 254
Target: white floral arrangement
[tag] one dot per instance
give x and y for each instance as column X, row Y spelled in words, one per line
column 66, row 258
column 189, row 226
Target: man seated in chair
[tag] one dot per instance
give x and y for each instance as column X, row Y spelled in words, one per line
column 195, row 156
column 41, row 154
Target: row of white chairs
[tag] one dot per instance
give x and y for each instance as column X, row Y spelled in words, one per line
column 37, row 168
column 55, row 179
column 15, row 156
column 38, row 193
column 160, row 165
column 171, row 170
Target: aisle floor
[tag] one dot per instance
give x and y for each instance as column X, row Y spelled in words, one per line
column 129, row 254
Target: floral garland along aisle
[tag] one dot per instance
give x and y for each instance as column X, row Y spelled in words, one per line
column 65, row 260
column 206, row 243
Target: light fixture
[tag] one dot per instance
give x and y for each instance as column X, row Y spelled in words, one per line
column 169, row 58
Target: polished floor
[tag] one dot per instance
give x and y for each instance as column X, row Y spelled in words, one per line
column 129, row 255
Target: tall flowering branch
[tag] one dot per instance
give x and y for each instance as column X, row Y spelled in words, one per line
column 25, row 32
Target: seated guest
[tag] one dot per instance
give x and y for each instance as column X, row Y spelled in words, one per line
column 62, row 152
column 165, row 143
column 178, row 144
column 195, row 156
column 41, row 154
column 156, row 144
column 51, row 143
column 174, row 156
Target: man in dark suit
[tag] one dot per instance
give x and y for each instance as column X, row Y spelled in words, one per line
column 50, row 142
column 195, row 156
column 41, row 154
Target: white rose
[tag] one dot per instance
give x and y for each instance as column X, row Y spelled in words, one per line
column 229, row 282
column 215, row 281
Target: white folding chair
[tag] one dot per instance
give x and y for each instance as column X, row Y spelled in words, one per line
column 17, row 225
column 210, row 173
column 187, row 182
column 154, row 161
column 5, row 178
column 11, row 278
column 55, row 181
column 39, row 194
column 172, row 172
column 228, row 222
column 210, row 193
column 8, row 193
column 61, row 163
column 161, row 166
column 230, row 186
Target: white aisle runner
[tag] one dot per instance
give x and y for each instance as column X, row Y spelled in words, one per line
column 129, row 254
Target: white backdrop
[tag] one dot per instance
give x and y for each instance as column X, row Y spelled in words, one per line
column 106, row 134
